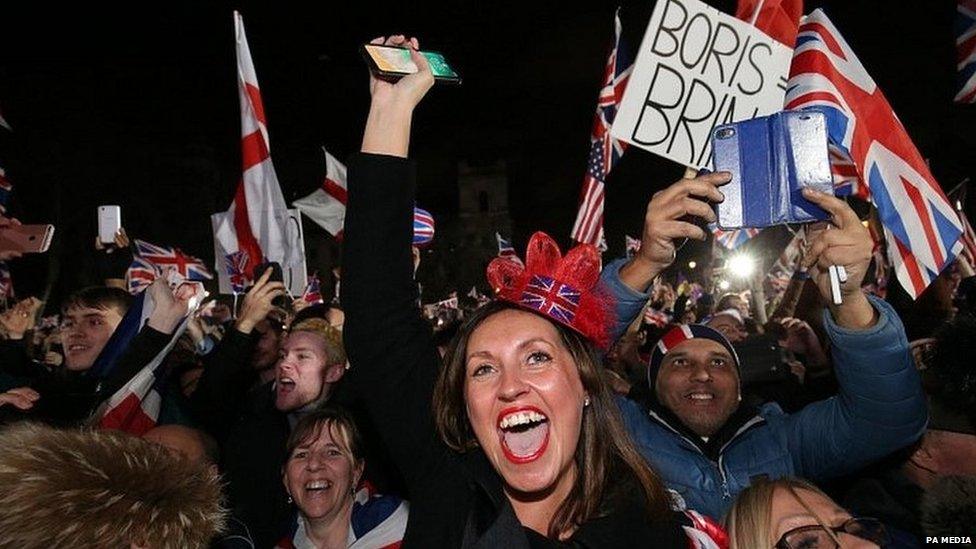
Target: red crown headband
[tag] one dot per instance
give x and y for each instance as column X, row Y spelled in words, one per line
column 564, row 289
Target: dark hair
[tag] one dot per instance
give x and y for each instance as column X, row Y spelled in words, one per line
column 604, row 453
column 319, row 310
column 98, row 297
column 340, row 424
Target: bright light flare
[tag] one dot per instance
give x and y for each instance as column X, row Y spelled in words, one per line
column 741, row 265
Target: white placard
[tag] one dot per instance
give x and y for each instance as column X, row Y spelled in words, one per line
column 697, row 68
column 293, row 271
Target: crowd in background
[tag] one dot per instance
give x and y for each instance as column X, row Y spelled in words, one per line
column 661, row 414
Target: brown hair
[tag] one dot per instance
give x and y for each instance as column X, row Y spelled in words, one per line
column 98, row 297
column 604, row 451
column 748, row 522
column 341, row 425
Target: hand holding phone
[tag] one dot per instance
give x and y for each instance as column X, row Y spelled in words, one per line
column 772, row 159
column 26, row 238
column 392, row 63
column 276, row 276
column 109, row 223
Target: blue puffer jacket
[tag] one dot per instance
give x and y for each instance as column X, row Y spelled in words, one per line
column 880, row 407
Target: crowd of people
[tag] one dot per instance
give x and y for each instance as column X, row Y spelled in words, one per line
column 584, row 406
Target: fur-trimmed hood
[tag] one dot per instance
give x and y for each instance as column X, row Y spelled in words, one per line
column 71, row 488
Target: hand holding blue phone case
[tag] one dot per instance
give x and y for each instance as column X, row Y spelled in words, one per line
column 771, row 160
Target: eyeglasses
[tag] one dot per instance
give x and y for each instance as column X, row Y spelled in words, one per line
column 820, row 537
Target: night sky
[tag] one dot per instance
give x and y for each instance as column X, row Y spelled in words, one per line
column 140, row 108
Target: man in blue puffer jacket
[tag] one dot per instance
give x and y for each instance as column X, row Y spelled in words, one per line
column 706, row 445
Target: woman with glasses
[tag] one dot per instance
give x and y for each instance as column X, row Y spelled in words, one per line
column 791, row 513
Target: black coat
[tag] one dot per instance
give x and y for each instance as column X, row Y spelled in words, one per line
column 69, row 398
column 252, row 435
column 455, row 500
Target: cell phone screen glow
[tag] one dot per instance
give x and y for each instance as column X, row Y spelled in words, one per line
column 397, row 60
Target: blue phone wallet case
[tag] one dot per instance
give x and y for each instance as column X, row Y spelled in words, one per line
column 772, row 159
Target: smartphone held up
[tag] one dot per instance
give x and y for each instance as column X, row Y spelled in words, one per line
column 772, row 159
column 26, row 239
column 109, row 223
column 393, row 63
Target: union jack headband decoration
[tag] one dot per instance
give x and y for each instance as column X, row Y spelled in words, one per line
column 678, row 335
column 563, row 289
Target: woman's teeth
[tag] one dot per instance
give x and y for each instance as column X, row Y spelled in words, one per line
column 521, row 418
column 318, row 485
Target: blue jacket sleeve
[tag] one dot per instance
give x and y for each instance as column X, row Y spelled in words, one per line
column 880, row 406
column 627, row 301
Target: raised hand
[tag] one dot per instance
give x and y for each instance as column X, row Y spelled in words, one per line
column 20, row 318
column 4, row 223
column 410, row 89
column 665, row 224
column 170, row 306
column 258, row 302
column 846, row 243
column 391, row 109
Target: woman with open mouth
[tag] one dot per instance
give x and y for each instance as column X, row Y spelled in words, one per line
column 322, row 475
column 516, row 441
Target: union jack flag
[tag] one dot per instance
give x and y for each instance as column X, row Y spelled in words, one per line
column 966, row 50
column 657, row 318
column 779, row 276
column 605, row 151
column 734, row 238
column 423, row 227
column 968, row 236
column 844, row 172
column 551, row 297
column 140, row 275
column 777, row 18
column 922, row 229
column 165, row 259
column 313, row 292
column 506, row 250
column 135, row 407
column 236, row 266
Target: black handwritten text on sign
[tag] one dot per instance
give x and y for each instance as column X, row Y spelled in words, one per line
column 697, row 68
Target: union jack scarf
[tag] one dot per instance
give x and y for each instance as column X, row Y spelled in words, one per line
column 377, row 522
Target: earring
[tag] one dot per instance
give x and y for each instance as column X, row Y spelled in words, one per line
column 290, row 501
column 586, row 402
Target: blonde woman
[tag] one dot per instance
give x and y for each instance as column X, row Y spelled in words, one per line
column 791, row 513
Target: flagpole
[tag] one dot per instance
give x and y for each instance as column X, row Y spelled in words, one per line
column 755, row 14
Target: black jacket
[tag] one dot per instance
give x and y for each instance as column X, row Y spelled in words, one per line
column 252, row 435
column 69, row 398
column 455, row 500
